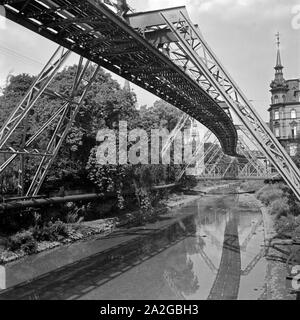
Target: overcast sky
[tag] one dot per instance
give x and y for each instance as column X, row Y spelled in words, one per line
column 241, row 33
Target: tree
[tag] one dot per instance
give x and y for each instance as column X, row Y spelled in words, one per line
column 104, row 106
column 12, row 93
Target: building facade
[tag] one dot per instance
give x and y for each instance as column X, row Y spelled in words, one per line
column 285, row 109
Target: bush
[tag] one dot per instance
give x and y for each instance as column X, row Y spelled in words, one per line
column 285, row 206
column 22, row 241
column 248, row 186
column 269, row 193
column 13, row 221
column 286, row 225
column 51, row 232
column 280, row 208
column 188, row 182
column 296, row 233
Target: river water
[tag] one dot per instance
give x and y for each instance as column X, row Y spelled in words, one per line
column 215, row 252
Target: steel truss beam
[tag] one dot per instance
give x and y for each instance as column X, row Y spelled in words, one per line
column 251, row 169
column 133, row 57
column 60, row 122
column 64, row 124
column 196, row 154
column 35, row 91
column 221, row 85
column 171, row 138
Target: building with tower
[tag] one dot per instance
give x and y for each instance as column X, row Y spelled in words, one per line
column 285, row 107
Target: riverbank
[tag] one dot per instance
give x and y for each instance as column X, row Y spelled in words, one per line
column 273, row 204
column 276, row 253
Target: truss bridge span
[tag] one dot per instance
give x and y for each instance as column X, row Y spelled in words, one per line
column 92, row 30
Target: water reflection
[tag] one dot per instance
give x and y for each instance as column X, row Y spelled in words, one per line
column 214, row 252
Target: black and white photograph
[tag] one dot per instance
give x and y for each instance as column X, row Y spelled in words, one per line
column 149, row 153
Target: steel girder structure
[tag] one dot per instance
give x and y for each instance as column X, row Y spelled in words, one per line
column 253, row 163
column 196, row 154
column 213, row 77
column 171, row 138
column 19, row 118
column 92, row 30
column 58, row 124
column 253, row 167
column 248, row 166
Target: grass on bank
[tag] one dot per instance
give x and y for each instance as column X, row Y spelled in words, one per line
column 283, row 205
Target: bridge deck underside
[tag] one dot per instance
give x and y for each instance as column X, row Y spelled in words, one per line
column 92, row 30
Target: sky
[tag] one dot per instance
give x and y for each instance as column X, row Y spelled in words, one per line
column 240, row 32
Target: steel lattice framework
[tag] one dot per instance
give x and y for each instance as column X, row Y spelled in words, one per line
column 220, row 85
column 60, row 122
column 162, row 52
column 247, row 166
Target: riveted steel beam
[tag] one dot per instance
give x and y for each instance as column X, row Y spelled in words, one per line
column 178, row 86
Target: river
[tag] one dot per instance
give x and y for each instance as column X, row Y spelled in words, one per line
column 215, row 252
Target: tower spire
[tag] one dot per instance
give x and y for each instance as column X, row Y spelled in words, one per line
column 279, row 82
column 279, row 65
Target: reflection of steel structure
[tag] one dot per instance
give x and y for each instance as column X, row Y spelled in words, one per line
column 172, row 285
column 245, row 243
column 252, row 264
column 208, row 261
column 243, row 246
column 253, row 231
column 160, row 51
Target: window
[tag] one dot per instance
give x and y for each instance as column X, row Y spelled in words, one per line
column 277, row 132
column 276, row 99
column 284, row 98
column 293, row 150
column 294, row 131
column 293, row 114
column 276, row 115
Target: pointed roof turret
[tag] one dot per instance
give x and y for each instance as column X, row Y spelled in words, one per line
column 278, row 62
column 279, row 65
column 279, row 82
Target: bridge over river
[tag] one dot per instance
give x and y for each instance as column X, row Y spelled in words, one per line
column 161, row 51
